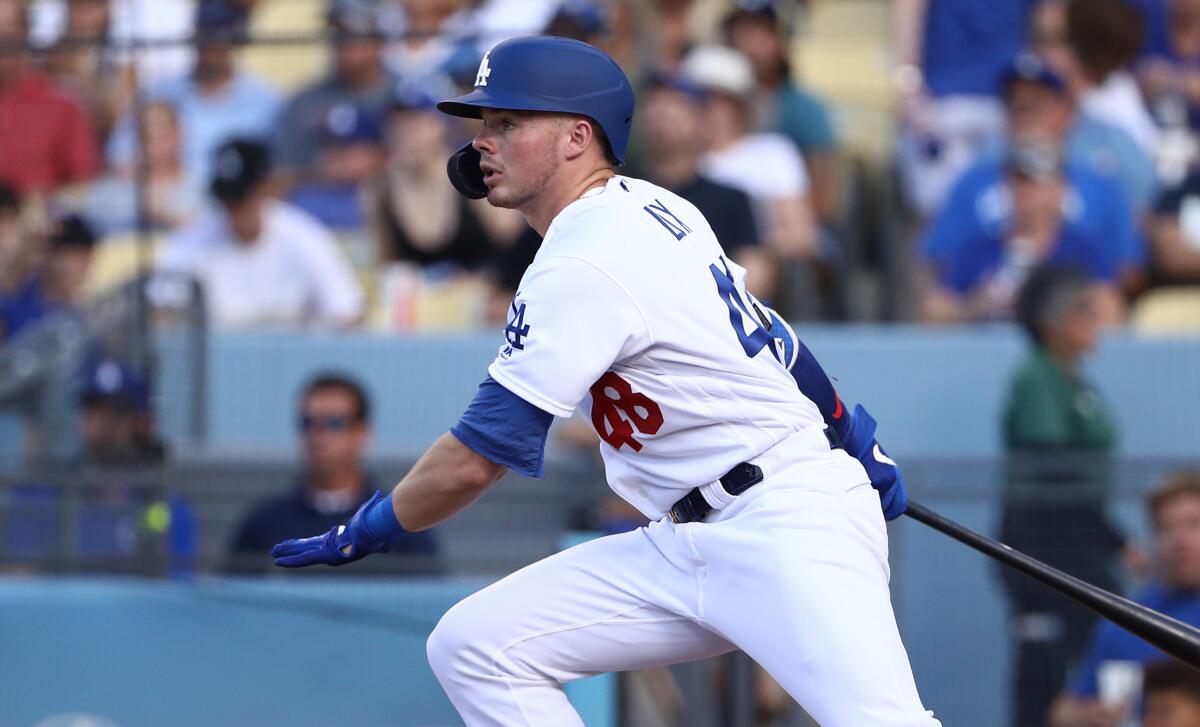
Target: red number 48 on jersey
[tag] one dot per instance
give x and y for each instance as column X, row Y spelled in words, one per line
column 617, row 410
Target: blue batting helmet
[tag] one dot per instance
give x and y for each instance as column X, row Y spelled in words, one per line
column 542, row 73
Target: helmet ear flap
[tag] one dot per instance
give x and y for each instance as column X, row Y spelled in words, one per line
column 465, row 174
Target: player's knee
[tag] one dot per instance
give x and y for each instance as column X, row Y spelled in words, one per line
column 455, row 648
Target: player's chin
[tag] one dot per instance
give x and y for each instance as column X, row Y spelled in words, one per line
column 501, row 196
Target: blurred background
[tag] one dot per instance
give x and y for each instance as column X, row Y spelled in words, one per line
column 237, row 295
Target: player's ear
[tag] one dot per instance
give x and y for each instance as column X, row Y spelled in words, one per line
column 579, row 136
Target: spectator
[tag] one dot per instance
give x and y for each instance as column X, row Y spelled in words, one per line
column 1105, row 36
column 157, row 23
column 334, row 421
column 116, row 421
column 580, row 20
column 53, row 275
column 485, row 22
column 358, row 78
column 1175, row 234
column 349, row 160
column 1174, row 510
column 261, row 261
column 46, row 140
column 107, row 517
column 171, row 197
column 766, row 167
column 422, row 43
column 422, row 220
column 948, row 55
column 1059, row 434
column 215, row 103
column 1093, row 142
column 72, row 247
column 1169, row 68
column 668, row 33
column 781, row 105
column 672, row 121
column 82, row 64
column 15, row 255
column 1005, row 217
column 1170, row 695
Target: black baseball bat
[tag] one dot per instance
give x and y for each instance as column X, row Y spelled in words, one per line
column 1170, row 635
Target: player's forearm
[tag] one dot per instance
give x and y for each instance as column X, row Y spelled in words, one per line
column 448, row 478
column 814, row 383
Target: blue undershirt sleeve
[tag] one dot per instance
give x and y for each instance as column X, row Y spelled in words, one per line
column 504, row 428
column 810, row 377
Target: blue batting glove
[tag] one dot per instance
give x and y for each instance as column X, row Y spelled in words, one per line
column 860, row 443
column 344, row 543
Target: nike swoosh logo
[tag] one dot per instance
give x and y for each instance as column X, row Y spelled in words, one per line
column 349, row 547
column 837, row 413
column 881, row 457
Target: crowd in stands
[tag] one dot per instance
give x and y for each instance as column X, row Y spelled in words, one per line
column 1058, row 131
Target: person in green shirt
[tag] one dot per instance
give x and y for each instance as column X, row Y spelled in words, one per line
column 1059, row 435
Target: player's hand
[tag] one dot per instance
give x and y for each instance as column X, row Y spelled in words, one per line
column 884, row 472
column 341, row 545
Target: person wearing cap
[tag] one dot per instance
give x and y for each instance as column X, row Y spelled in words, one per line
column 215, row 102
column 357, row 78
column 1033, row 205
column 50, row 278
column 765, row 165
column 116, row 420
column 349, row 159
column 261, row 261
column 632, row 311
column 755, row 30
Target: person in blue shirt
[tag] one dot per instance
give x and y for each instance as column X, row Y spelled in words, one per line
column 1174, row 510
column 1031, row 206
column 1111, row 144
column 948, row 54
column 216, row 102
column 349, row 158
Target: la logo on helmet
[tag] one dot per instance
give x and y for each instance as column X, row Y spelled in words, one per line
column 481, row 77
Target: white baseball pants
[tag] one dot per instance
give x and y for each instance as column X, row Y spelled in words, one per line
column 794, row 573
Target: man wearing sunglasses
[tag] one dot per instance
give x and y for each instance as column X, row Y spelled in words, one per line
column 334, row 425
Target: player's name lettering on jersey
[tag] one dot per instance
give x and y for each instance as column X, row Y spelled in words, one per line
column 667, row 219
column 617, row 409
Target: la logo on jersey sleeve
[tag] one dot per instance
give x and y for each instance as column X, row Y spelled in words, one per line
column 517, row 329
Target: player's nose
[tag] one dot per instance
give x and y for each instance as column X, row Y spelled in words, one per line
column 483, row 142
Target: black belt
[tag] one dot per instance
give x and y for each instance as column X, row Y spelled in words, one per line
column 692, row 506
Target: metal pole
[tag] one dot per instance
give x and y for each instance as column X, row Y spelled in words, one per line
column 741, row 690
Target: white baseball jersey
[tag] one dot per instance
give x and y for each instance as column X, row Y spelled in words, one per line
column 631, row 312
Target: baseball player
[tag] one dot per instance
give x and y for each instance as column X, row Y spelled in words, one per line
column 766, row 532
